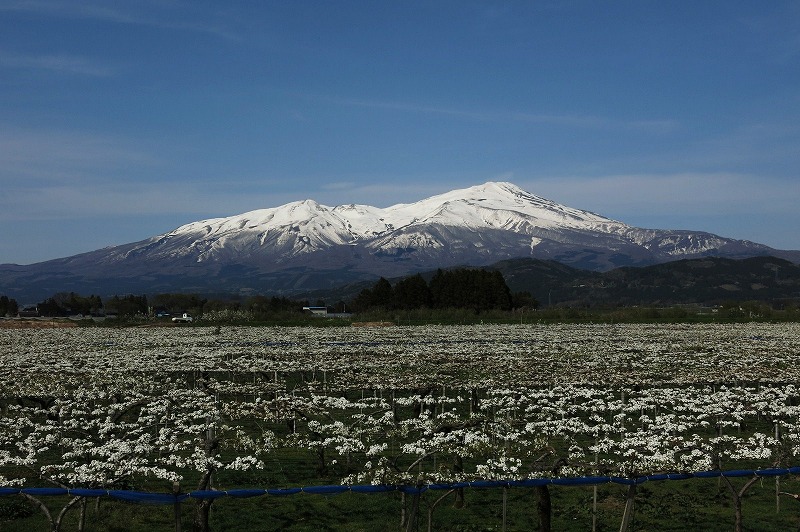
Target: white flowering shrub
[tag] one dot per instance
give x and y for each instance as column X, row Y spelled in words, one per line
column 143, row 408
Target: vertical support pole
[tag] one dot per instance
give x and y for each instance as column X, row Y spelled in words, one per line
column 402, row 510
column 629, row 508
column 594, row 488
column 82, row 517
column 777, row 478
column 505, row 506
column 176, row 490
column 412, row 524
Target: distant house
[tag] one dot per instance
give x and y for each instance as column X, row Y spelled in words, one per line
column 316, row 311
column 29, row 311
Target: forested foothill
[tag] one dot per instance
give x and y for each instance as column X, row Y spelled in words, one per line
column 707, row 281
column 521, row 290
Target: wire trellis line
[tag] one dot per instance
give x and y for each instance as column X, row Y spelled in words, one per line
column 142, row 497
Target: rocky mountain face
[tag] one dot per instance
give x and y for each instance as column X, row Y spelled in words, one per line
column 304, row 245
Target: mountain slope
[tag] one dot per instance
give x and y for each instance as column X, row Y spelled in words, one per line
column 711, row 280
column 304, row 245
column 706, row 281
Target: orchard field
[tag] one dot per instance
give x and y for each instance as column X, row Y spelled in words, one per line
column 225, row 408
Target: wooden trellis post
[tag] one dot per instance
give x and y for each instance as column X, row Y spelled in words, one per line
column 176, row 490
column 629, row 507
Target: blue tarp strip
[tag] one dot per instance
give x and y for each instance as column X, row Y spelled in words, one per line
column 37, row 492
column 580, row 481
column 532, row 482
column 168, row 498
column 740, row 473
column 708, row 474
column 241, row 494
column 444, row 486
column 208, row 494
column 324, row 490
column 488, row 483
column 412, row 490
column 284, row 491
column 776, row 472
column 82, row 492
column 381, row 488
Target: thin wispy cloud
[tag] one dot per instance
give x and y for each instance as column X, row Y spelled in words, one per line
column 761, row 143
column 65, row 155
column 59, row 63
column 71, row 201
column 670, row 194
column 565, row 120
column 173, row 15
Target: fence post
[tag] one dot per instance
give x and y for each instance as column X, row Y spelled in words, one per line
column 594, row 488
column 505, row 506
column 176, row 490
column 629, row 507
column 777, row 477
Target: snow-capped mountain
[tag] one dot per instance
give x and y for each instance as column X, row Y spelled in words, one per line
column 450, row 220
column 304, row 245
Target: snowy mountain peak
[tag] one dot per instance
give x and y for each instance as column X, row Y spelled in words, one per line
column 497, row 204
column 306, row 226
column 306, row 245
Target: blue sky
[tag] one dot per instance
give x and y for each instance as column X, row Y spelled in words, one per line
column 121, row 120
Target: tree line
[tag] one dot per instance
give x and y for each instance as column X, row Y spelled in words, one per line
column 64, row 304
column 464, row 288
column 469, row 289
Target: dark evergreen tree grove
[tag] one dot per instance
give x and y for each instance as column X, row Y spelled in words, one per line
column 179, row 302
column 129, row 305
column 263, row 306
column 411, row 292
column 524, row 300
column 50, row 308
column 8, row 306
column 461, row 288
column 470, row 288
column 379, row 296
column 382, row 294
column 67, row 304
column 363, row 301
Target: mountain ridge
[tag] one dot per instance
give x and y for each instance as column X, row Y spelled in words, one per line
column 304, row 245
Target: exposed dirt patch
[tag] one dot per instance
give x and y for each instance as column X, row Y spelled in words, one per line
column 157, row 324
column 35, row 324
